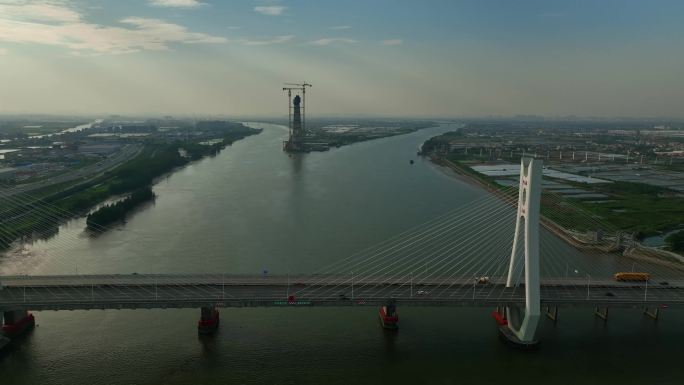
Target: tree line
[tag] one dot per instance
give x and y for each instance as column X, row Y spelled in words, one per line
column 116, row 212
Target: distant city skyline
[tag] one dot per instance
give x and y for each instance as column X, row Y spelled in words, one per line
column 379, row 58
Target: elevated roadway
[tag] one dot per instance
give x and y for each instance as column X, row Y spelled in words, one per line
column 192, row 291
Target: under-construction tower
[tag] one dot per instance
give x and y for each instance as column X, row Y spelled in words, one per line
column 296, row 117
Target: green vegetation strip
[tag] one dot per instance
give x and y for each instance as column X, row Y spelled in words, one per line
column 23, row 217
column 116, row 212
column 637, row 208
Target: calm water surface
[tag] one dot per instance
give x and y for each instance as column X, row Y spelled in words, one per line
column 253, row 207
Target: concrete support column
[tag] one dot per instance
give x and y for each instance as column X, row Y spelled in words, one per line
column 209, row 320
column 16, row 322
column 552, row 313
column 388, row 315
column 603, row 314
column 653, row 314
column 522, row 326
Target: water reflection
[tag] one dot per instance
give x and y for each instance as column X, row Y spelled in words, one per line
column 389, row 339
column 297, row 161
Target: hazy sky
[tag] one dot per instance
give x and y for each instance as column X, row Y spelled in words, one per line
column 378, row 57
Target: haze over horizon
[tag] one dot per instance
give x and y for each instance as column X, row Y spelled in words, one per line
column 390, row 58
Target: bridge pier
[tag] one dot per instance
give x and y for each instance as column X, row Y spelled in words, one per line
column 601, row 314
column 16, row 322
column 653, row 314
column 501, row 311
column 209, row 320
column 500, row 316
column 520, row 327
column 388, row 315
column 552, row 314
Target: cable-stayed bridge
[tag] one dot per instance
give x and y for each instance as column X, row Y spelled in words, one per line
column 182, row 291
column 498, row 252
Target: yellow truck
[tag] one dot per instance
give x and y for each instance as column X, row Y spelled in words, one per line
column 632, row 277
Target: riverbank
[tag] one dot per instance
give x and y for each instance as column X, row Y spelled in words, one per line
column 627, row 196
column 38, row 215
column 472, row 177
column 324, row 134
column 608, row 243
column 97, row 220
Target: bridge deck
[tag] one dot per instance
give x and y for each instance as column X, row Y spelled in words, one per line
column 192, row 291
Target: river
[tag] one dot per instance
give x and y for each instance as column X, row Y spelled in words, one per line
column 253, row 207
column 78, row 128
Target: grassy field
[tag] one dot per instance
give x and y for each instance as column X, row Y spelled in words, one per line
column 636, row 208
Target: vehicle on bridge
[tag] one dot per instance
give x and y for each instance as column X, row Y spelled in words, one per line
column 632, row 277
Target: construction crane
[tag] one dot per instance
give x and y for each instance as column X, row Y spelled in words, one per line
column 299, row 87
column 289, row 107
column 294, row 141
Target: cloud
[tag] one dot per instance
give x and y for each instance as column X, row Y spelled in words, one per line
column 275, row 40
column 392, row 42
column 340, row 27
column 271, row 10
column 332, row 40
column 58, row 25
column 38, row 11
column 176, row 3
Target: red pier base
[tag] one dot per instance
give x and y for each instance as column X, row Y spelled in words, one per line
column 499, row 318
column 507, row 335
column 388, row 316
column 17, row 322
column 209, row 320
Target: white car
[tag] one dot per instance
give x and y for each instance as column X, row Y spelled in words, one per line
column 423, row 292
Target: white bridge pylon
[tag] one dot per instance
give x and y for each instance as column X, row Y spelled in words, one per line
column 529, row 202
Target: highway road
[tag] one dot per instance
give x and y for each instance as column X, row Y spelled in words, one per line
column 191, row 291
column 82, row 175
